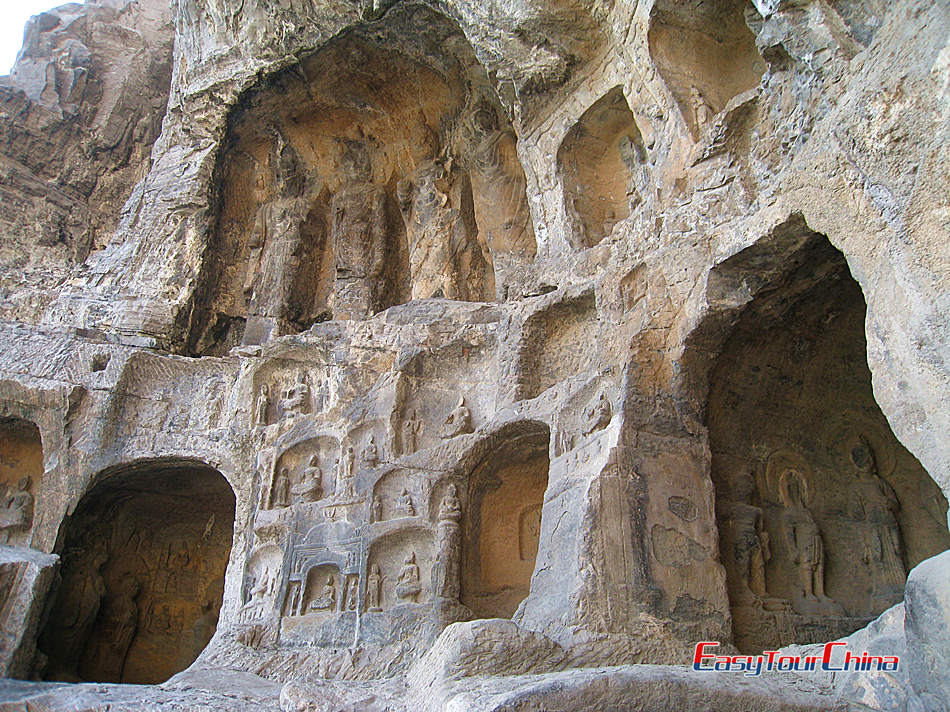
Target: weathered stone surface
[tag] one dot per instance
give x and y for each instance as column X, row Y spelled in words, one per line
column 78, row 117
column 927, row 628
column 467, row 355
column 25, row 579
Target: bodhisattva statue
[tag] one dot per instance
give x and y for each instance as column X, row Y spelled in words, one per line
column 376, row 509
column 875, row 507
column 408, row 587
column 281, row 489
column 751, row 545
column 345, row 474
column 806, row 547
column 117, row 623
column 459, row 421
column 350, row 591
column 263, row 405
column 699, row 106
column 374, row 588
column 411, row 428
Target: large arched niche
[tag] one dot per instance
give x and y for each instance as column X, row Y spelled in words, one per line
column 502, row 523
column 21, row 469
column 705, row 53
column 821, row 511
column 143, row 563
column 377, row 170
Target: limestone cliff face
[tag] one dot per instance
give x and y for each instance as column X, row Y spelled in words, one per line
column 380, row 352
column 80, row 111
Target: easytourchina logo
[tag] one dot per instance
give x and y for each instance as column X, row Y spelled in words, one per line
column 705, row 660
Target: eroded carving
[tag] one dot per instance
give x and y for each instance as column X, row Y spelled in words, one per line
column 805, row 543
column 875, row 507
column 309, row 488
column 374, row 589
column 16, row 514
column 408, row 585
column 458, row 422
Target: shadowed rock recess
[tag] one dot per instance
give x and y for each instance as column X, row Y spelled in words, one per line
column 404, row 356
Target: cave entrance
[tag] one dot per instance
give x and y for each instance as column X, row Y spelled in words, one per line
column 143, row 567
column 821, row 510
column 21, row 468
column 503, row 525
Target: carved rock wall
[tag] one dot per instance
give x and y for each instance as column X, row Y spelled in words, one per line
column 622, row 322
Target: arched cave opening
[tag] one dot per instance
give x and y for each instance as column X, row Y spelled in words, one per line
column 600, row 164
column 502, row 524
column 821, row 510
column 380, row 169
column 705, row 54
column 142, row 578
column 21, row 468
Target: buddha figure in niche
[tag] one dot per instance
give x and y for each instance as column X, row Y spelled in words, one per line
column 408, row 587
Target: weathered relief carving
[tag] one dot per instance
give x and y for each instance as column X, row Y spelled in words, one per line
column 309, row 487
column 405, row 507
column 118, row 621
column 529, row 532
column 807, row 548
column 875, row 506
column 408, row 586
column 371, row 453
column 258, row 604
column 345, row 475
column 446, row 570
column 598, row 415
column 458, row 422
column 16, row 513
column 374, row 589
column 751, row 545
column 411, row 429
column 326, row 598
column 263, row 406
column 281, row 495
column 351, row 588
column 296, row 400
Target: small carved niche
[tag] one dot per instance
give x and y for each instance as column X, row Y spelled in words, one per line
column 550, row 342
column 502, row 523
column 21, row 469
column 705, row 54
column 404, row 559
column 600, row 161
column 397, row 494
column 323, row 591
column 310, row 469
